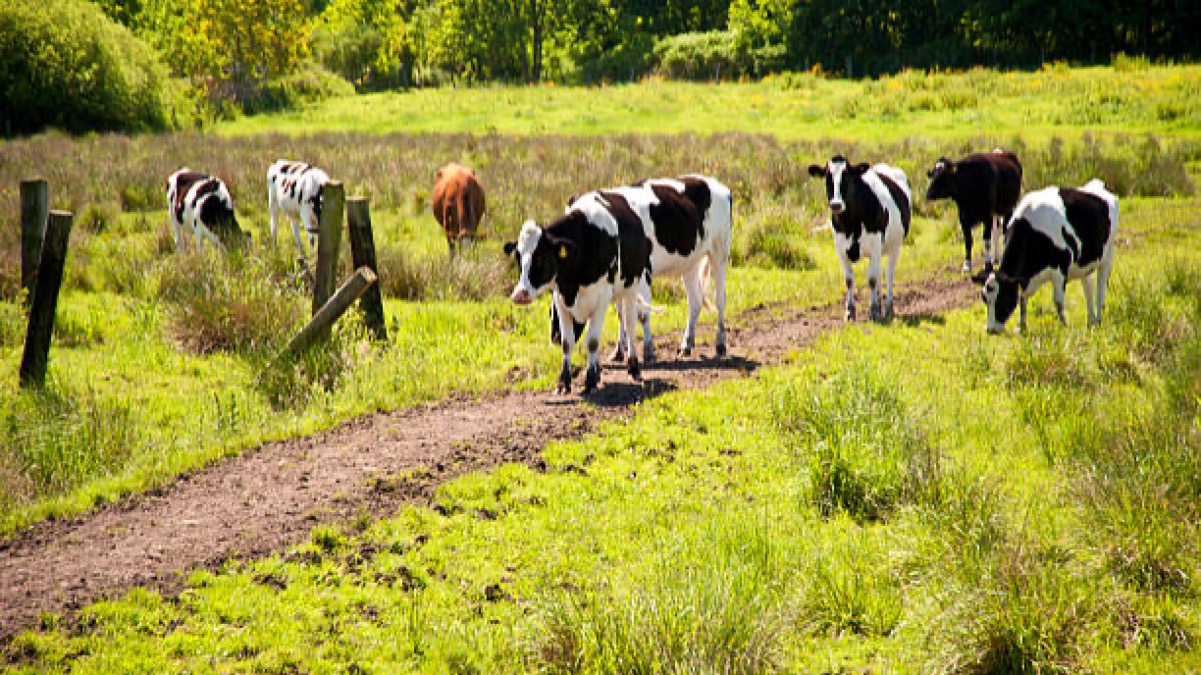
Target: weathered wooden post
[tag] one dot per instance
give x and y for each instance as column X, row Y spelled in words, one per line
column 331, row 311
column 329, row 240
column 45, row 300
column 362, row 252
column 35, row 210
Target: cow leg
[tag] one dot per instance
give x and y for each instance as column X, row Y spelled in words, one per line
column 998, row 237
column 619, row 350
column 988, row 235
column 873, row 283
column 1102, row 281
column 567, row 340
column 627, row 312
column 719, row 287
column 1057, row 284
column 1087, row 284
column 692, row 286
column 595, row 326
column 273, row 209
column 177, row 228
column 892, row 273
column 848, row 276
column 966, row 226
column 296, row 237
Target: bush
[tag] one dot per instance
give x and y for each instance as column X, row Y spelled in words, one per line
column 64, row 64
column 697, row 56
column 313, row 83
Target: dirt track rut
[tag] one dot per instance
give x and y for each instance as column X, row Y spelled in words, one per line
column 272, row 496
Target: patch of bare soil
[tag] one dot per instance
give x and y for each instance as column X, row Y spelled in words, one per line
column 269, row 498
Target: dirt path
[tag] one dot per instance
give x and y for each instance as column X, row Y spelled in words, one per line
column 271, row 497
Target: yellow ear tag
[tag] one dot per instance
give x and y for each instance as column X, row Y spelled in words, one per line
column 563, row 252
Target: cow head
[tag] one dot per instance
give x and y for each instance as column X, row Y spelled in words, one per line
column 843, row 182
column 539, row 255
column 942, row 180
column 1000, row 294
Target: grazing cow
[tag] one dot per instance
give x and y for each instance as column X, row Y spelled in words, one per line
column 869, row 207
column 203, row 204
column 688, row 221
column 595, row 254
column 295, row 190
column 458, row 203
column 1055, row 234
column 985, row 187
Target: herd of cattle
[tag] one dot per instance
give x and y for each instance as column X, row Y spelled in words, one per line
column 603, row 249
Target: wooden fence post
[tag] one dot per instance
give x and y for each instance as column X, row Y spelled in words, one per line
column 45, row 300
column 329, row 240
column 362, row 251
column 35, row 211
column 331, row 311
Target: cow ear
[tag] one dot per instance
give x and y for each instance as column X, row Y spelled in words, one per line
column 817, row 171
column 510, row 247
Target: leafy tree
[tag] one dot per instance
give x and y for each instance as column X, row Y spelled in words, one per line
column 366, row 41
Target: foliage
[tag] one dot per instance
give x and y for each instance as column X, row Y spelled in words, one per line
column 697, row 56
column 64, row 64
column 365, row 41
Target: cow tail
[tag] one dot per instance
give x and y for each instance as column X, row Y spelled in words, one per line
column 465, row 214
column 705, row 273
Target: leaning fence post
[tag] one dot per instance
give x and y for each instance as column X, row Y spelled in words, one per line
column 45, row 300
column 331, row 311
column 329, row 239
column 35, row 210
column 362, row 252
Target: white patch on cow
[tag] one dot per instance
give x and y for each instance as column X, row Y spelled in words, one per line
column 836, row 169
column 596, row 210
column 992, row 288
column 894, row 234
column 291, row 190
column 524, row 292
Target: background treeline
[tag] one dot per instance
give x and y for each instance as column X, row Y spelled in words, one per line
column 109, row 65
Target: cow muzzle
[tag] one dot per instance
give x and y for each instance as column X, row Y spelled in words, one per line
column 837, row 207
column 521, row 297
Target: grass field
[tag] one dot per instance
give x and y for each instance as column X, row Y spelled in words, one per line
column 1055, row 101
column 904, row 499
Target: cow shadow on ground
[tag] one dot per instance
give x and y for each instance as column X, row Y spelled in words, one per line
column 919, row 319
column 739, row 363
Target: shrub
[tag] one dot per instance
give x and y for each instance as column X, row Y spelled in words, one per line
column 64, row 64
column 313, row 83
column 697, row 56
column 243, row 302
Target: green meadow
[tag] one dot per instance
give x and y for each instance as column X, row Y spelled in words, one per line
column 1134, row 98
column 915, row 497
column 911, row 497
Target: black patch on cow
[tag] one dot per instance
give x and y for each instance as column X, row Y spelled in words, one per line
column 853, row 251
column 1088, row 215
column 1007, row 299
column 678, row 221
column 1029, row 252
column 216, row 213
column 863, row 209
column 899, row 198
column 635, row 248
column 315, row 200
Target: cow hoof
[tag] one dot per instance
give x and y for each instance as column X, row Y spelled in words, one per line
column 721, row 351
column 648, row 355
column 684, row 352
column 849, row 315
column 563, row 388
column 634, row 370
column 618, row 355
column 591, row 380
column 967, row 266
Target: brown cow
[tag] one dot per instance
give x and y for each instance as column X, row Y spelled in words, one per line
column 458, row 203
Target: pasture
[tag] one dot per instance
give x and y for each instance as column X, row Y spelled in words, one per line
column 903, row 497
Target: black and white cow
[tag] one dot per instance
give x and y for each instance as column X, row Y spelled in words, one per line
column 870, row 211
column 294, row 189
column 688, row 221
column 595, row 254
column 985, row 187
column 1056, row 234
column 203, row 204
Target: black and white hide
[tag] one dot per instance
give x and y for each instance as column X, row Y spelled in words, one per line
column 294, row 190
column 202, row 203
column 1055, row 234
column 869, row 214
column 595, row 254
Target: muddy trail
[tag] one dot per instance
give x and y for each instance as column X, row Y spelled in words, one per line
column 271, row 497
